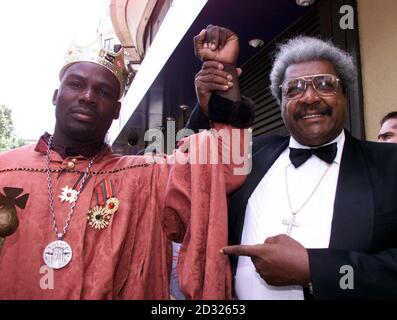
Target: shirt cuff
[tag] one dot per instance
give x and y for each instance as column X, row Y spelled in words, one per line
column 239, row 114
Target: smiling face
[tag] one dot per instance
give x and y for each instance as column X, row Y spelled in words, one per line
column 86, row 104
column 313, row 119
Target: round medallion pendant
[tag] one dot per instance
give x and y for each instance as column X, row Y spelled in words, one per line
column 57, row 254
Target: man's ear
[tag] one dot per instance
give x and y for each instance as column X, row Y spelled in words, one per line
column 54, row 97
column 117, row 111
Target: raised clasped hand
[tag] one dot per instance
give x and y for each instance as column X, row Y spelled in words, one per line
column 217, row 43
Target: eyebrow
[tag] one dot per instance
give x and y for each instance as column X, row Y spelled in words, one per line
column 99, row 82
column 382, row 134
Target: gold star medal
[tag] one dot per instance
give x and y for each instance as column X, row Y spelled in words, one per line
column 112, row 205
column 99, row 216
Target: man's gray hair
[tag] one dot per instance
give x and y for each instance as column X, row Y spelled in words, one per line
column 303, row 49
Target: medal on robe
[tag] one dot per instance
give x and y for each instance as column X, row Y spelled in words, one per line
column 8, row 215
column 100, row 215
column 112, row 205
column 98, row 218
column 57, row 254
column 70, row 194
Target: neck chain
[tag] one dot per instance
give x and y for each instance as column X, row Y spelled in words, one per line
column 58, row 253
column 291, row 223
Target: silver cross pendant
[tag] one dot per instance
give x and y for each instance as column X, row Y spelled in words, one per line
column 291, row 223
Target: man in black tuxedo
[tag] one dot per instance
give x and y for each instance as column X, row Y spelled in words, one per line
column 317, row 216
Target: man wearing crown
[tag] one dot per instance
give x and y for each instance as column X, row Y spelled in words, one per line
column 83, row 223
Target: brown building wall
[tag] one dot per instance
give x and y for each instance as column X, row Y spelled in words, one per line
column 378, row 42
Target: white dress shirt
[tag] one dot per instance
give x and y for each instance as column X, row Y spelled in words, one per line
column 268, row 207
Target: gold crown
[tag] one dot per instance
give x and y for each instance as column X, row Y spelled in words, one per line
column 95, row 53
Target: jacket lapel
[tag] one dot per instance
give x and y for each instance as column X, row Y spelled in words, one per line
column 352, row 223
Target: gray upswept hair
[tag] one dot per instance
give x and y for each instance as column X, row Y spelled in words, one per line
column 303, row 49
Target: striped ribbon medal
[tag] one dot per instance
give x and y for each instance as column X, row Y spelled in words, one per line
column 100, row 215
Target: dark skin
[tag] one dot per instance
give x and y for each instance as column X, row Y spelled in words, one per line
column 87, row 99
column 217, row 43
column 331, row 110
column 281, row 260
column 86, row 104
column 218, row 48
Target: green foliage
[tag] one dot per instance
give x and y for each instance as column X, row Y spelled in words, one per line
column 8, row 139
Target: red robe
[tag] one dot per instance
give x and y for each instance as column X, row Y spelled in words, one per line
column 131, row 258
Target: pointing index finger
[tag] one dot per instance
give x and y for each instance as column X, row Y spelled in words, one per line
column 242, row 250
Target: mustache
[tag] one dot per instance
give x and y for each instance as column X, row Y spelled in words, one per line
column 317, row 108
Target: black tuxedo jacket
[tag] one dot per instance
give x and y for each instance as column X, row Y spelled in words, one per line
column 364, row 224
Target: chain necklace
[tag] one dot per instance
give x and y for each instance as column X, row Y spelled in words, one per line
column 291, row 223
column 58, row 253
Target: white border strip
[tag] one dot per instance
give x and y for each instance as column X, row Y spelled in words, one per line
column 176, row 23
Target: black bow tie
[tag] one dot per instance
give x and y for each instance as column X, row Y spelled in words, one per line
column 326, row 153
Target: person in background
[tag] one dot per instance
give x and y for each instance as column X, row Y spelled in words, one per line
column 388, row 128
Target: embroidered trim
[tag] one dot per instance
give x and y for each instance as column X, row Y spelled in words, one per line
column 77, row 171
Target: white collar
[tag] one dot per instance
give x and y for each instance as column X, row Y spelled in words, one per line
column 340, row 141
